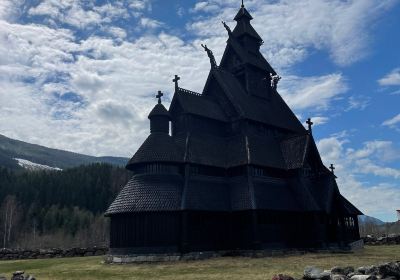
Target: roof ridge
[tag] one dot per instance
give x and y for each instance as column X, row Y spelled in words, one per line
column 183, row 90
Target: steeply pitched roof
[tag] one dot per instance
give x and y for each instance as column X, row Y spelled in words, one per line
column 256, row 60
column 274, row 111
column 195, row 103
column 150, row 192
column 244, row 27
column 243, row 13
column 158, row 147
column 348, row 208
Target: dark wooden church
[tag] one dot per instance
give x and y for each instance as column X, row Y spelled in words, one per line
column 237, row 170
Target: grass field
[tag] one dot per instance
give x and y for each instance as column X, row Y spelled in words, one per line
column 220, row 268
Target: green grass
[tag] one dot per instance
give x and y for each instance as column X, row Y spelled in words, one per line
column 220, row 268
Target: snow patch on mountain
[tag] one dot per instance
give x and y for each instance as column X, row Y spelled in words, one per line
column 32, row 166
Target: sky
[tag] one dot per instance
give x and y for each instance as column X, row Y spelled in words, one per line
column 81, row 75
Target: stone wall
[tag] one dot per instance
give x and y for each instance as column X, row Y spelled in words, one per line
column 383, row 240
column 15, row 254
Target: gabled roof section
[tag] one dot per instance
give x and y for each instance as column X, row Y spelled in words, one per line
column 255, row 59
column 274, row 111
column 197, row 104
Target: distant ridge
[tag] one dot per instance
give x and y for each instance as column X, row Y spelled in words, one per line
column 364, row 219
column 11, row 149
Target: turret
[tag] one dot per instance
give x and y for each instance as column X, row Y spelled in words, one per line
column 159, row 117
column 245, row 32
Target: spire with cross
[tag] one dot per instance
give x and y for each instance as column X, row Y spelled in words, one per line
column 310, row 123
column 175, row 80
column 332, row 168
column 159, row 95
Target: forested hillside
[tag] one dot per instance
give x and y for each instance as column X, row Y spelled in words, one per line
column 57, row 208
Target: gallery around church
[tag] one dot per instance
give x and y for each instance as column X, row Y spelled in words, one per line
column 237, row 171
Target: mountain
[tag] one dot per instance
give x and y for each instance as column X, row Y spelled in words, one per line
column 15, row 154
column 364, row 219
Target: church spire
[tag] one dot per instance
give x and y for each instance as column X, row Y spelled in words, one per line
column 243, row 14
column 244, row 28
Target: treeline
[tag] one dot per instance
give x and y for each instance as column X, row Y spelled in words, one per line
column 57, row 208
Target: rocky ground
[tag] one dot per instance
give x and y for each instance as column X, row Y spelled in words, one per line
column 385, row 271
column 382, row 240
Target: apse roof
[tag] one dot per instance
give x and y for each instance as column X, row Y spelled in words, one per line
column 150, row 192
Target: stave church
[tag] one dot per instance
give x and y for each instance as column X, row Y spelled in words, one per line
column 231, row 168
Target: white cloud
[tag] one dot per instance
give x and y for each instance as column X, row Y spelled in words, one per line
column 358, row 103
column 150, row 23
column 393, row 122
column 79, row 13
column 140, row 5
column 312, row 92
column 117, row 32
column 375, row 199
column 205, row 6
column 293, row 27
column 319, row 120
column 391, row 79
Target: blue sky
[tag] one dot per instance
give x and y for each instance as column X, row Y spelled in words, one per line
column 81, row 75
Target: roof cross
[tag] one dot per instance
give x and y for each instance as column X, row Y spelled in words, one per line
column 175, row 80
column 242, row 4
column 310, row 123
column 159, row 95
column 332, row 168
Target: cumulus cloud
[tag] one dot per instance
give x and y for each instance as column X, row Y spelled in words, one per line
column 391, row 79
column 79, row 13
column 375, row 199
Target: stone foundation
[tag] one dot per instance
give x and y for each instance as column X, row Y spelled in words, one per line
column 17, row 254
column 140, row 258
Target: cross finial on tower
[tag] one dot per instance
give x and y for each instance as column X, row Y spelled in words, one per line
column 242, row 4
column 175, row 80
column 332, row 168
column 159, row 95
column 310, row 123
